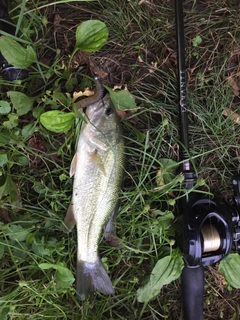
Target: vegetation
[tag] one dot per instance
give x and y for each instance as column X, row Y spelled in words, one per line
column 38, row 261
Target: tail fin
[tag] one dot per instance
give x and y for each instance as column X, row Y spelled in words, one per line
column 92, row 277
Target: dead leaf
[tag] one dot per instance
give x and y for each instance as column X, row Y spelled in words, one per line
column 87, row 92
column 232, row 115
column 235, row 86
column 118, row 87
column 122, row 114
column 159, row 179
column 4, row 215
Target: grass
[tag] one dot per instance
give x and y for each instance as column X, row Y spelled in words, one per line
column 140, row 53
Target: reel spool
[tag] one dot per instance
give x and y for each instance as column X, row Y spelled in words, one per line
column 211, row 238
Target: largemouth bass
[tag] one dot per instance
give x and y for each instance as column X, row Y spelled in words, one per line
column 97, row 168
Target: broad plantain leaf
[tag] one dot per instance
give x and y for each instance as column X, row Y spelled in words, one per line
column 122, row 99
column 165, row 271
column 15, row 54
column 21, row 102
column 230, row 268
column 5, row 107
column 57, row 121
column 91, row 35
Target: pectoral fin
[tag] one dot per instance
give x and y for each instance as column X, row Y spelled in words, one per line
column 98, row 144
column 95, row 157
column 73, row 165
column 69, row 221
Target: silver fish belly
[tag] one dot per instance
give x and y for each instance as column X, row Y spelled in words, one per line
column 97, row 168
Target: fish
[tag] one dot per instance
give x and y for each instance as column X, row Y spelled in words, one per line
column 97, row 167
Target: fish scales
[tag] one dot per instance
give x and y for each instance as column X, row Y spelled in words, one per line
column 95, row 197
column 97, row 168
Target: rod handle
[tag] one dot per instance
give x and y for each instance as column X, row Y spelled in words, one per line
column 192, row 291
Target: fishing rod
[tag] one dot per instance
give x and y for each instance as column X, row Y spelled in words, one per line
column 8, row 71
column 210, row 228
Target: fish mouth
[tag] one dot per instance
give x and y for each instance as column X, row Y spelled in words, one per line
column 97, row 108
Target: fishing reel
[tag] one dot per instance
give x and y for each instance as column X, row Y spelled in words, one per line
column 211, row 229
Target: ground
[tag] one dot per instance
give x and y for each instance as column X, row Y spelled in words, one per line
column 140, row 55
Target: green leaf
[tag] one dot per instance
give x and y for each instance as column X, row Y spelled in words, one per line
column 196, row 41
column 168, row 164
column 165, row 271
column 17, row 233
column 64, row 276
column 168, row 169
column 39, row 248
column 7, row 187
column 166, row 219
column 30, row 238
column 10, row 188
column 15, row 54
column 57, row 121
column 122, row 99
column 3, row 159
column 40, row 187
column 4, row 136
column 28, row 130
column 70, row 84
column 19, row 251
column 5, row 107
column 21, row 102
column 37, row 112
column 91, row 35
column 21, row 159
column 230, row 268
column 12, row 121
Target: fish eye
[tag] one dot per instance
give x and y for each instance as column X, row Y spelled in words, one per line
column 109, row 111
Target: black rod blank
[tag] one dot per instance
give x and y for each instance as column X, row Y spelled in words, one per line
column 192, row 276
column 182, row 82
